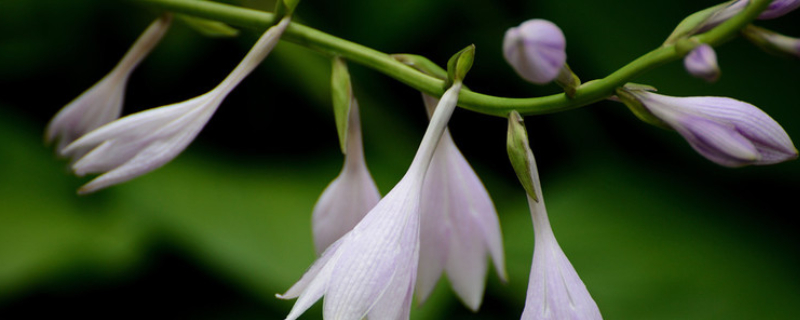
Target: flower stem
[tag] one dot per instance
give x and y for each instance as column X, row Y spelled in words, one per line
column 587, row 93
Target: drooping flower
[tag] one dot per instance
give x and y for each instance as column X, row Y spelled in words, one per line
column 702, row 63
column 459, row 226
column 102, row 103
column 350, row 196
column 371, row 270
column 536, row 50
column 144, row 141
column 555, row 291
column 729, row 132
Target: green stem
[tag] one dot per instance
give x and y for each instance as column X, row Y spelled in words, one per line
column 586, row 94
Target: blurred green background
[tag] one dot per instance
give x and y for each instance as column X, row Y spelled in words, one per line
column 654, row 230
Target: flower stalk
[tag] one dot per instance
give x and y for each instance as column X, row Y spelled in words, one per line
column 588, row 93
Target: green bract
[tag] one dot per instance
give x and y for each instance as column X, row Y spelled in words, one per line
column 342, row 96
column 519, row 152
column 459, row 64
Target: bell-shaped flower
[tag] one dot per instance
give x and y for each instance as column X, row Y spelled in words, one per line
column 371, row 271
column 536, row 50
column 555, row 291
column 729, row 132
column 459, row 227
column 702, row 63
column 144, row 141
column 350, row 196
column 102, row 103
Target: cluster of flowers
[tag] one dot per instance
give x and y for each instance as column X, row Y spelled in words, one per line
column 376, row 254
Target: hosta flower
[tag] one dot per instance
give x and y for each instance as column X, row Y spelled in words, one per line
column 371, row 270
column 350, row 196
column 141, row 142
column 102, row 103
column 459, row 227
column 779, row 8
column 776, row 8
column 536, row 50
column 773, row 42
column 555, row 291
column 727, row 131
column 702, row 63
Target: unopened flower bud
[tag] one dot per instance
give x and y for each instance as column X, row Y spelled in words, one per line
column 729, row 132
column 779, row 8
column 773, row 42
column 702, row 63
column 536, row 50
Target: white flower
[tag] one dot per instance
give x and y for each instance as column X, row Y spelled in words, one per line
column 555, row 291
column 727, row 131
column 459, row 227
column 102, row 103
column 350, row 196
column 536, row 50
column 702, row 63
column 371, row 270
column 144, row 141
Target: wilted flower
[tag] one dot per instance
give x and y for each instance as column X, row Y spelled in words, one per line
column 350, row 196
column 727, row 131
column 536, row 50
column 371, row 270
column 702, row 63
column 102, row 103
column 144, row 141
column 555, row 291
column 459, row 226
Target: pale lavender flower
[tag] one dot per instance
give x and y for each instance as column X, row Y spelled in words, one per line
column 773, row 42
column 102, row 103
column 536, row 50
column 778, row 8
column 555, row 291
column 350, row 196
column 459, row 227
column 371, row 270
column 702, row 63
column 729, row 132
column 144, row 141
